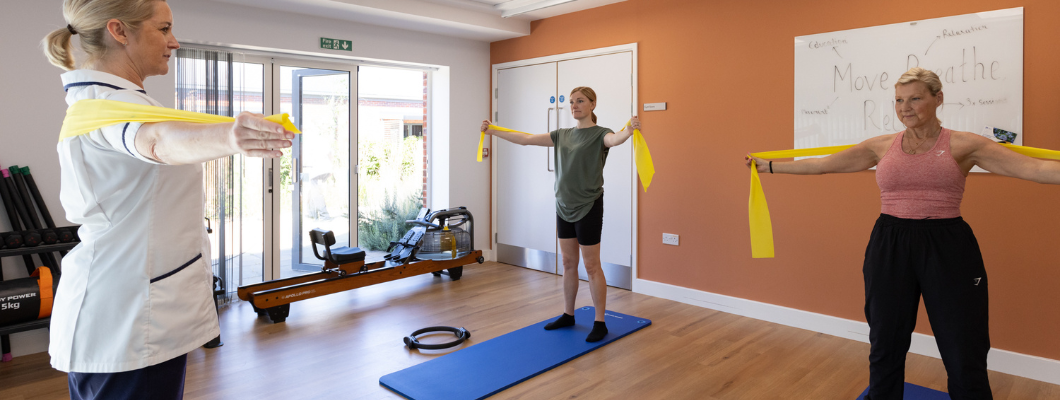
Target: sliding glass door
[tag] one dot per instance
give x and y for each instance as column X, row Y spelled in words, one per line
column 316, row 175
column 260, row 211
column 391, row 152
column 247, row 249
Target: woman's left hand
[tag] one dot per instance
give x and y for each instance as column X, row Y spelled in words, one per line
column 634, row 123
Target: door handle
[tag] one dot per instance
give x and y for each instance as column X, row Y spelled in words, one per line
column 296, row 169
column 548, row 118
column 548, row 124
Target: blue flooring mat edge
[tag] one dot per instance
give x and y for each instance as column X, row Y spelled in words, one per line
column 915, row 392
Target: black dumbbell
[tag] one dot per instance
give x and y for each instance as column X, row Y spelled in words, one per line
column 65, row 234
column 48, row 236
column 32, row 238
column 12, row 240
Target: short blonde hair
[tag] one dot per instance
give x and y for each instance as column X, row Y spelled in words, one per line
column 589, row 93
column 89, row 19
column 917, row 74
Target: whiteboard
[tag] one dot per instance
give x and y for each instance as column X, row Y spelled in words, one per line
column 844, row 80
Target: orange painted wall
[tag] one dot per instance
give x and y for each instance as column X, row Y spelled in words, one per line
column 725, row 69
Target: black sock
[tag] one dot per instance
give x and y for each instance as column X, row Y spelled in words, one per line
column 598, row 333
column 563, row 321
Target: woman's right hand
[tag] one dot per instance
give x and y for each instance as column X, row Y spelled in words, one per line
column 255, row 136
column 485, row 126
column 761, row 164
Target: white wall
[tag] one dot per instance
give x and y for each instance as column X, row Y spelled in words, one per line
column 32, row 105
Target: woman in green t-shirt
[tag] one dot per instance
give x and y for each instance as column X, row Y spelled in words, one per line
column 580, row 155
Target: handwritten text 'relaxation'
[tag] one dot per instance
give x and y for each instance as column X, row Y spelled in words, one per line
column 948, row 33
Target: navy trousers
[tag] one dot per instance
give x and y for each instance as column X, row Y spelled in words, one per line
column 940, row 260
column 163, row 381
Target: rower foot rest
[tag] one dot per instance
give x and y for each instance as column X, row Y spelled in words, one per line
column 405, row 247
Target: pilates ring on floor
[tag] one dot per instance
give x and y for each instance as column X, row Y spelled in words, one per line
column 461, row 335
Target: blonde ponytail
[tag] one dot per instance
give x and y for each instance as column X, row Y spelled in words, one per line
column 57, row 48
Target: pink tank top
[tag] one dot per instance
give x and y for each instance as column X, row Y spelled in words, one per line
column 920, row 186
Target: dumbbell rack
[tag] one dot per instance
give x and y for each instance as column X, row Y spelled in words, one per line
column 47, row 248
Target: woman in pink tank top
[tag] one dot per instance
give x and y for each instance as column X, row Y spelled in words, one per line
column 920, row 244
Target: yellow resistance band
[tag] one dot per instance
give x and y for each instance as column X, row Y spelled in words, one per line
column 641, row 155
column 86, row 116
column 758, row 210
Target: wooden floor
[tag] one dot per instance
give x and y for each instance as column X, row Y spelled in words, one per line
column 337, row 347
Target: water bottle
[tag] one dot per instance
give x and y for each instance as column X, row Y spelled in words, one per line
column 448, row 241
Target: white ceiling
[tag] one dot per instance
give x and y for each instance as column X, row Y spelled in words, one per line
column 470, row 19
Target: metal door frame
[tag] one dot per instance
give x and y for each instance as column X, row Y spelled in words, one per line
column 296, row 173
column 274, row 172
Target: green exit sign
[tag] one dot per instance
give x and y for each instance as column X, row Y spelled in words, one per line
column 336, row 44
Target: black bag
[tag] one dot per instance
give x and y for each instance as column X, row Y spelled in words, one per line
column 27, row 299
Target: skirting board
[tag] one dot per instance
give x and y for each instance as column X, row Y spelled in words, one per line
column 1027, row 366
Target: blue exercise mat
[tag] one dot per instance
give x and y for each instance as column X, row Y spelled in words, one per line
column 486, row 368
column 914, row 392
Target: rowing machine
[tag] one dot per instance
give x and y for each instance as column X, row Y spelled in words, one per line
column 345, row 267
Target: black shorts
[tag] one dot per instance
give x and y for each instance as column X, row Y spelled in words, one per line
column 587, row 229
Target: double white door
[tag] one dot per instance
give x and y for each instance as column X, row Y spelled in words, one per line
column 535, row 98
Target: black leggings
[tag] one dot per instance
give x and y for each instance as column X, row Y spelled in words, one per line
column 940, row 259
column 587, row 229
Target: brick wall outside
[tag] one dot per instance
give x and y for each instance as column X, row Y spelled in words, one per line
column 425, row 133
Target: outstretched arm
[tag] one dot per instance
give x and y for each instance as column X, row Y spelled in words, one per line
column 522, row 139
column 615, row 139
column 860, row 157
column 178, row 143
column 997, row 159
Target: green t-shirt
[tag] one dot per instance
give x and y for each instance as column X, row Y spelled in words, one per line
column 580, row 157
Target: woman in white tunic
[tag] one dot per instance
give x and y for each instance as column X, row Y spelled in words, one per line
column 134, row 297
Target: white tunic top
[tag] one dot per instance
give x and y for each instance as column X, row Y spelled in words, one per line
column 136, row 291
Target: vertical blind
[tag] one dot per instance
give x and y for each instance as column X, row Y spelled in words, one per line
column 205, row 83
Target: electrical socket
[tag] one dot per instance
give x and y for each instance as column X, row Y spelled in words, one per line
column 671, row 239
